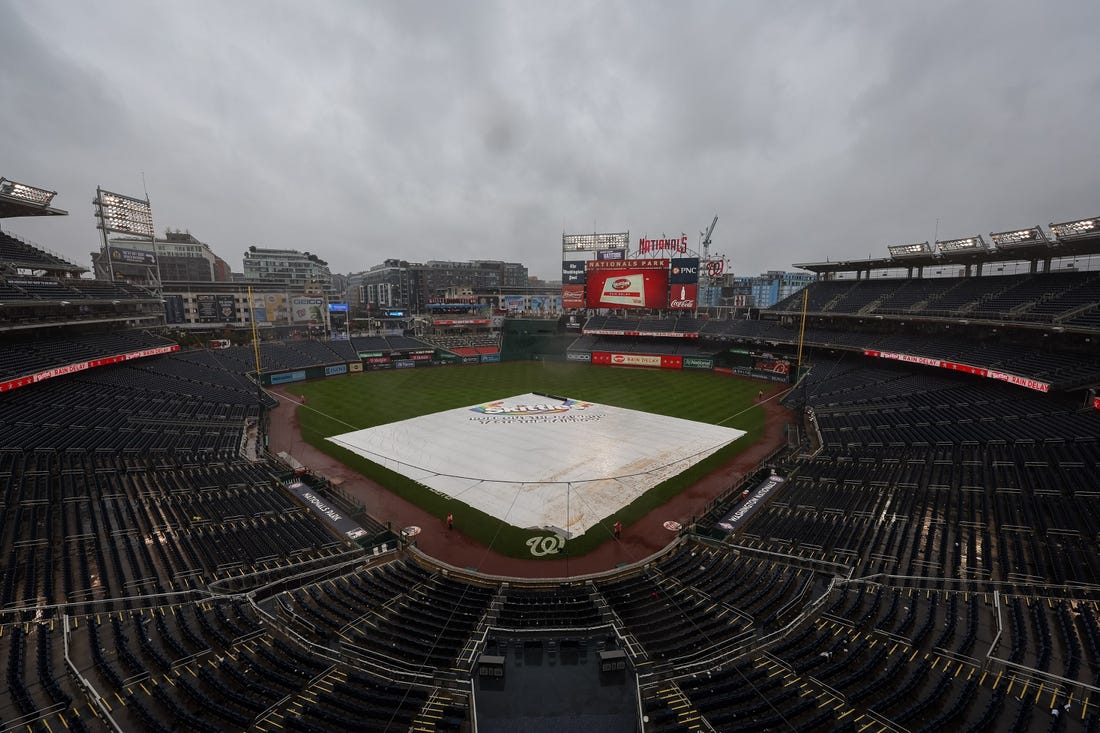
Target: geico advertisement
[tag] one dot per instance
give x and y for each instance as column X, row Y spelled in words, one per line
column 627, row 288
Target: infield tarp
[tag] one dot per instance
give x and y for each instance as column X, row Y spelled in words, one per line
column 540, row 462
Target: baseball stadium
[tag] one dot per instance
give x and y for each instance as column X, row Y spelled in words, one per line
column 871, row 506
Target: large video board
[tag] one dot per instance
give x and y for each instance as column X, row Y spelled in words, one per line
column 641, row 283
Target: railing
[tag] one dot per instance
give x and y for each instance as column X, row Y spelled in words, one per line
column 95, row 699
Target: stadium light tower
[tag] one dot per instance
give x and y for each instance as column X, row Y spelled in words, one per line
column 23, row 192
column 917, row 249
column 1018, row 238
column 1070, row 230
column 125, row 215
column 967, row 244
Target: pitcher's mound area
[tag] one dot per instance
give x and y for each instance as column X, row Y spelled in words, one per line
column 540, row 462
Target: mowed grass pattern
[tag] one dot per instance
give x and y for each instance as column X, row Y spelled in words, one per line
column 342, row 404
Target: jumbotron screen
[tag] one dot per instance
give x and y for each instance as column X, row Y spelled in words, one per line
column 627, row 283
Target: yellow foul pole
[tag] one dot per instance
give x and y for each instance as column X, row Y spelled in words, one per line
column 802, row 331
column 255, row 336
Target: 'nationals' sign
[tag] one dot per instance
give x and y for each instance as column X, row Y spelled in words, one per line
column 658, row 245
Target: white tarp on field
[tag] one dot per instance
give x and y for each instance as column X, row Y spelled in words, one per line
column 536, row 461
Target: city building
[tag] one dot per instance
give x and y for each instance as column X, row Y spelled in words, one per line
column 411, row 286
column 287, row 267
column 176, row 257
column 203, row 306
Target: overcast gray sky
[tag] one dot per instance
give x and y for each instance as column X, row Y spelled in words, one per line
column 455, row 130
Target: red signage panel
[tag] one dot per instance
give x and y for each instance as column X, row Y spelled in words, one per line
column 1016, row 379
column 572, row 296
column 682, row 297
column 670, row 244
column 83, row 365
column 658, row 361
column 627, row 288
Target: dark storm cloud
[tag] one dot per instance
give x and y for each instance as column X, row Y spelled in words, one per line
column 431, row 130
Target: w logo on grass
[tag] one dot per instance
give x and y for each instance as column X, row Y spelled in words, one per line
column 546, row 545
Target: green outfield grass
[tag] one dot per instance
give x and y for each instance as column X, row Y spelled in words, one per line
column 354, row 402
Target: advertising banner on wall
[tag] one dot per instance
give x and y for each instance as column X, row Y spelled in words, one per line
column 627, row 284
column 682, row 297
column 26, row 380
column 661, row 361
column 751, row 504
column 128, row 256
column 544, row 303
column 306, row 309
column 227, row 311
column 325, row 510
column 683, row 270
column 572, row 272
column 776, row 366
column 698, row 362
column 572, row 296
column 207, row 308
column 274, row 305
column 1016, row 379
column 173, row 309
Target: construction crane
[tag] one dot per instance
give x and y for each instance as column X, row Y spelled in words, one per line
column 705, row 245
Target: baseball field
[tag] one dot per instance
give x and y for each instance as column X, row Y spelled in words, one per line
column 343, row 405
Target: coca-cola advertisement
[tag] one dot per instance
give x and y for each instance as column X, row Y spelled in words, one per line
column 682, row 297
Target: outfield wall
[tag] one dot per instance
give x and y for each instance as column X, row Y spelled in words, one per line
column 533, row 339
